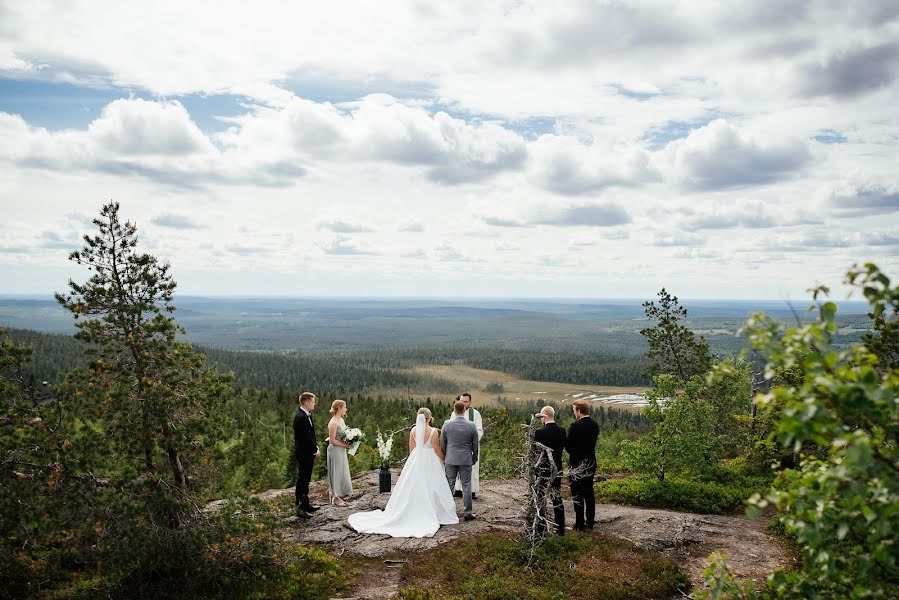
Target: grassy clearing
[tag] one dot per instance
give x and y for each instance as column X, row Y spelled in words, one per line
column 478, row 381
column 493, row 566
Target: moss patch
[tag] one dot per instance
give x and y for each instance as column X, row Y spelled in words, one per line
column 494, row 566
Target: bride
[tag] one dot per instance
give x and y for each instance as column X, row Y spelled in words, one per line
column 421, row 501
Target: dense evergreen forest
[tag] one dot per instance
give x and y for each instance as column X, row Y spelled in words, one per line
column 354, row 372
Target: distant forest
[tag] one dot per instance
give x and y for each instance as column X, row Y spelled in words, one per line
column 565, row 350
column 359, row 371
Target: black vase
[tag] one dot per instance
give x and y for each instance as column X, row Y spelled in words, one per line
column 384, row 481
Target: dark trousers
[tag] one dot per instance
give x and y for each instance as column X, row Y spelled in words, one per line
column 555, row 495
column 584, row 501
column 304, row 474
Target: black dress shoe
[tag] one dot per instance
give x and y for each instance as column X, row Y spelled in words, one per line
column 469, row 517
column 474, row 496
column 303, row 514
column 312, row 509
column 457, row 494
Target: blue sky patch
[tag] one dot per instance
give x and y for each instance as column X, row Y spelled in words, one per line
column 659, row 137
column 57, row 106
column 829, row 136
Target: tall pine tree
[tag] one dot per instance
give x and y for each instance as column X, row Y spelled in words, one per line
column 154, row 394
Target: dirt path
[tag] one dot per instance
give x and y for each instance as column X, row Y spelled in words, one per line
column 686, row 538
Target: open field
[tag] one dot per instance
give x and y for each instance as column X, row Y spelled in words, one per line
column 476, row 381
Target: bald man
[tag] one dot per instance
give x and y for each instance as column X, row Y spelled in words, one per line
column 553, row 437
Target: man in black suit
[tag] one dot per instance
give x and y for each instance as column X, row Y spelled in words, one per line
column 581, row 446
column 305, row 448
column 553, row 437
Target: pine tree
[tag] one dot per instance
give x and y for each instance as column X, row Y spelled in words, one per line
column 154, row 393
column 673, row 348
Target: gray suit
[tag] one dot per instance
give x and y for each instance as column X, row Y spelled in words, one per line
column 459, row 442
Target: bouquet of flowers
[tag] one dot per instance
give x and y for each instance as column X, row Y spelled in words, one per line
column 385, row 443
column 354, row 437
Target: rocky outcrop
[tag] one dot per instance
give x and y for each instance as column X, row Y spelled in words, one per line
column 686, row 538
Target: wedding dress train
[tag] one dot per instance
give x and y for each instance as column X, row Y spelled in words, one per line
column 421, row 500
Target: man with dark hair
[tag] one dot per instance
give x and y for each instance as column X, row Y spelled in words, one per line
column 553, row 437
column 581, row 445
column 305, row 448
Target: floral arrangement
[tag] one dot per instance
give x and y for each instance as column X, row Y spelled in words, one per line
column 385, row 443
column 354, row 437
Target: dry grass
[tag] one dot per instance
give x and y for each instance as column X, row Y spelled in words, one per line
column 514, row 389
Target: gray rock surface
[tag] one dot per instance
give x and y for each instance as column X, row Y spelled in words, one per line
column 686, row 538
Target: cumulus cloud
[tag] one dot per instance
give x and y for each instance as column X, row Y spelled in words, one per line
column 567, row 34
column 721, row 155
column 413, row 226
column 697, row 254
column 138, row 138
column 566, row 166
column 447, row 252
column 380, row 128
column 344, row 246
column 600, row 214
column 882, row 238
column 865, row 199
column 246, row 249
column 55, row 240
column 343, row 226
column 811, row 241
column 677, row 239
column 852, row 72
column 139, row 127
column 177, row 221
column 606, row 214
column 415, row 254
column 751, row 215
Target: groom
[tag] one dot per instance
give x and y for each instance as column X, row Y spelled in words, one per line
column 459, row 442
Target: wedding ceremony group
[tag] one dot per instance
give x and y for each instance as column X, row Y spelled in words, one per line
column 442, row 465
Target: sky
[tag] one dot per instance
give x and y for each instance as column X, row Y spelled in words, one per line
column 722, row 149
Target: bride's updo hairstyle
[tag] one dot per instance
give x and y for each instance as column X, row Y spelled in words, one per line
column 336, row 406
column 426, row 412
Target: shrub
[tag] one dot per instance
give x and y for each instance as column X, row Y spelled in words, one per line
column 682, row 494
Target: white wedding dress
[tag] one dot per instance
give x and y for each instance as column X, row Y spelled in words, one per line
column 421, row 500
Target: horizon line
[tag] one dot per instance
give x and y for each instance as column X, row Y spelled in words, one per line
column 786, row 301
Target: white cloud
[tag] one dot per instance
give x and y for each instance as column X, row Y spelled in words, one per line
column 865, row 199
column 411, row 226
column 563, row 164
column 720, row 155
column 592, row 214
column 380, row 128
column 343, row 226
column 141, row 127
column 341, row 245
column 447, row 252
column 677, row 239
column 177, row 221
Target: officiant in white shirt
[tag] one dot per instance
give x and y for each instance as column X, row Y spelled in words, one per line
column 474, row 416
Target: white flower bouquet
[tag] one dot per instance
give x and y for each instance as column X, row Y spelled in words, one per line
column 385, row 444
column 354, row 437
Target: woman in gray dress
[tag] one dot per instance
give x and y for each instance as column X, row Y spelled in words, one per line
column 338, row 462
